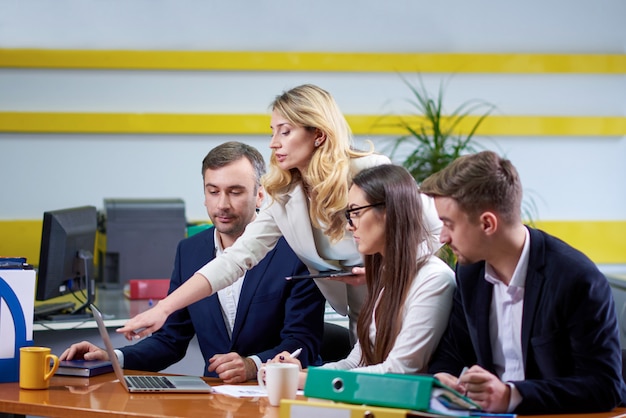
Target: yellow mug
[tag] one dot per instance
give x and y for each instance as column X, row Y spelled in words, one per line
column 35, row 368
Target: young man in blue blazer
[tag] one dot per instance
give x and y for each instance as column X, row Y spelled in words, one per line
column 249, row 322
column 533, row 328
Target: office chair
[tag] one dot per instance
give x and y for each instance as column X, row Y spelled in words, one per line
column 335, row 343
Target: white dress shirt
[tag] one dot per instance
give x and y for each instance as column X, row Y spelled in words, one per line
column 505, row 323
column 228, row 296
column 229, row 300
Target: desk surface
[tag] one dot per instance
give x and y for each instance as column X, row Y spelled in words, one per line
column 103, row 396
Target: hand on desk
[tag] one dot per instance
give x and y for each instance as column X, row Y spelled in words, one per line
column 232, row 368
column 84, row 350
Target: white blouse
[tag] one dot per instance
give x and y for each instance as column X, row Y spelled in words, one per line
column 424, row 319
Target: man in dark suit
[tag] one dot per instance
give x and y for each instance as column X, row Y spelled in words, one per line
column 533, row 328
column 249, row 322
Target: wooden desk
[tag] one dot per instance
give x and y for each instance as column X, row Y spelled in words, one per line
column 103, row 396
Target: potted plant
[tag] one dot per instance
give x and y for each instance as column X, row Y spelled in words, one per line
column 433, row 138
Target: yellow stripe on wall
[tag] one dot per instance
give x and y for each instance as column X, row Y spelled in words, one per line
column 315, row 61
column 255, row 124
column 20, row 239
column 602, row 241
column 514, row 125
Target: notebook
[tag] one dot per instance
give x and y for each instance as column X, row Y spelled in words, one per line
column 147, row 383
column 84, row 368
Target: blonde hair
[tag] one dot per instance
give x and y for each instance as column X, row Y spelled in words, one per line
column 327, row 176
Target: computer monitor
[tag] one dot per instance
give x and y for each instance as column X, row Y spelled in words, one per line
column 66, row 256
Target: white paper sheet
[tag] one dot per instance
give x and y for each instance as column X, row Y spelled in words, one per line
column 244, row 391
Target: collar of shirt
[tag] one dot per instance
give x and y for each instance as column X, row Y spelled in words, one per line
column 518, row 281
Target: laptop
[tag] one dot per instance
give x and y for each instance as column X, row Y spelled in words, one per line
column 148, row 383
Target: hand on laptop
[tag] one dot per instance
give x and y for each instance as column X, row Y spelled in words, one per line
column 84, row 350
column 232, row 368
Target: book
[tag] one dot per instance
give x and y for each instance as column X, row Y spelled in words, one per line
column 83, row 368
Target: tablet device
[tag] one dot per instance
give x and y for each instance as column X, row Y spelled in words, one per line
column 322, row 275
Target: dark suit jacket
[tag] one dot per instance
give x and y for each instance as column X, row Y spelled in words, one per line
column 570, row 338
column 273, row 314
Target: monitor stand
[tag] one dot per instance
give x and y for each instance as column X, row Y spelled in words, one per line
column 82, row 312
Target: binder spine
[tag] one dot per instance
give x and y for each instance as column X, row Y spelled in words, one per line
column 313, row 409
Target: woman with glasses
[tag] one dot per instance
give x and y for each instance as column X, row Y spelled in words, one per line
column 311, row 168
column 410, row 293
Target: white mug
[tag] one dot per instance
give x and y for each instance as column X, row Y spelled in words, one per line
column 281, row 381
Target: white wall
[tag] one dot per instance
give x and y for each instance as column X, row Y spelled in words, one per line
column 577, row 26
column 571, row 178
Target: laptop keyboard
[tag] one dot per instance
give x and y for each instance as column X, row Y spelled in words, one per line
column 147, row 382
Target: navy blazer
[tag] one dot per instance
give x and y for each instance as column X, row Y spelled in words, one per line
column 570, row 337
column 273, row 314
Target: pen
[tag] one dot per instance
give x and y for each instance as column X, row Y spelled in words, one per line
column 296, row 353
column 465, row 369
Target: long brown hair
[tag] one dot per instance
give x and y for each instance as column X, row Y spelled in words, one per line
column 392, row 274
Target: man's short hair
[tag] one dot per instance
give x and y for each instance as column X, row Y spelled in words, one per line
column 479, row 182
column 229, row 152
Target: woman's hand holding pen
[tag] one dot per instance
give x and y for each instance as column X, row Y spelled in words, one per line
column 286, row 357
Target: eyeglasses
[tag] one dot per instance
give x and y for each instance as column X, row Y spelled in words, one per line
column 353, row 213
